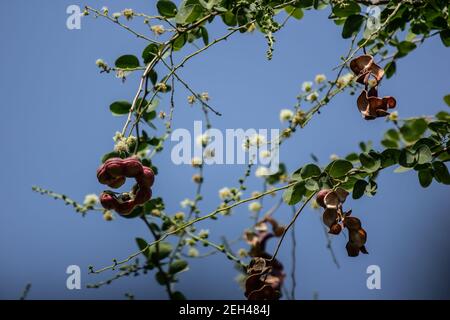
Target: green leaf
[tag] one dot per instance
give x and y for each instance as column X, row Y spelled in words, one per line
column 407, row 159
column 167, row 8
column 392, row 134
column 310, row 170
column 127, row 62
column 339, row 168
column 424, row 154
column 404, row 48
column 441, row 127
column 359, row 189
column 369, row 162
column 353, row 157
column 441, row 172
column 119, row 108
column 346, row 8
column 188, row 13
column 294, row 194
column 297, row 13
column 165, row 249
column 443, row 116
column 445, row 37
column 413, row 129
column 177, row 295
column 142, row 244
column 390, row 69
column 110, row 155
column 229, row 18
column 205, row 36
column 161, row 278
column 177, row 266
column 179, row 42
column 150, row 52
column 296, row 174
column 159, row 251
column 401, row 169
column 312, row 185
column 153, row 76
column 425, row 177
column 390, row 157
column 447, row 99
column 352, row 25
column 389, row 143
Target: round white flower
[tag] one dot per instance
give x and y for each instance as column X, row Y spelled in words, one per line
column 187, row 203
column 257, row 140
column 90, row 199
column 204, row 96
column 262, row 171
column 320, row 78
column 108, row 216
column 158, row 29
column 193, row 252
column 118, row 136
column 196, row 162
column 286, row 115
column 225, row 193
column 344, row 80
column 265, row 154
column 255, row 206
column 131, row 141
column 203, row 139
column 100, row 63
column 121, row 146
column 128, row 13
column 312, row 96
column 307, row 86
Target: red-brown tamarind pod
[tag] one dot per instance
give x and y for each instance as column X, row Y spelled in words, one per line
column 147, row 178
column 108, row 201
column 142, row 196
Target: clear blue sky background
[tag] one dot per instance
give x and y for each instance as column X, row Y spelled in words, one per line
column 56, row 124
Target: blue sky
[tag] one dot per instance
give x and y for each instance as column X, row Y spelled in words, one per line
column 56, row 125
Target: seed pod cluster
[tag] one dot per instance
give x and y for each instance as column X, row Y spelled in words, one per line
column 265, row 278
column 113, row 173
column 265, row 275
column 369, row 104
column 336, row 219
column 357, row 236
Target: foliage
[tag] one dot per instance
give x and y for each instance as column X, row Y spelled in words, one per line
column 419, row 144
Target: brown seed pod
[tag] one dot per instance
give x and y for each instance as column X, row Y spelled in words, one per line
column 352, row 223
column 371, row 106
column 364, row 66
column 335, row 229
column 358, row 238
column 329, row 217
column 352, row 250
column 331, row 200
column 321, row 196
column 341, row 194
